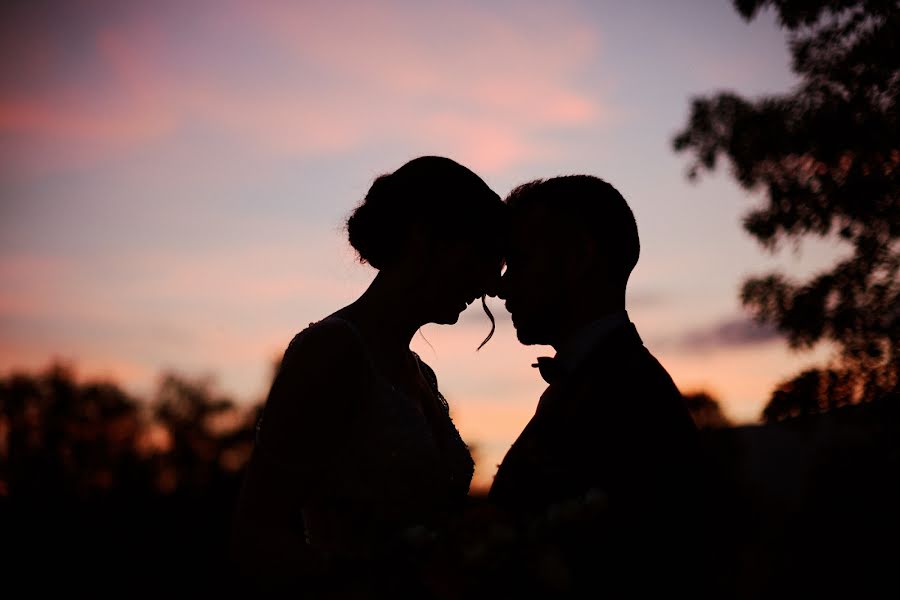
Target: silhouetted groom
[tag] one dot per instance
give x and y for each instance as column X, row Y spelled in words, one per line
column 611, row 419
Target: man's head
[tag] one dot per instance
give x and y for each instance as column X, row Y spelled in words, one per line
column 572, row 244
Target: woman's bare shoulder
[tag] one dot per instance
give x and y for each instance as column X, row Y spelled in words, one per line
column 317, row 387
column 319, row 344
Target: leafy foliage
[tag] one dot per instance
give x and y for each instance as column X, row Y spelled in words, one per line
column 826, row 158
column 705, row 410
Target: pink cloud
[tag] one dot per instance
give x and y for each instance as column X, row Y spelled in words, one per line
column 41, row 118
column 43, row 135
column 52, row 121
column 346, row 76
column 483, row 144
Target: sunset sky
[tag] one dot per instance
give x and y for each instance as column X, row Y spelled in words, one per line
column 175, row 176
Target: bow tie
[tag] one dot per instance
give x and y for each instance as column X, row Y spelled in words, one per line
column 550, row 368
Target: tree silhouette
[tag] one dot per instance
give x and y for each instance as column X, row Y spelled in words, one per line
column 201, row 423
column 82, row 440
column 812, row 391
column 826, row 157
column 705, row 410
column 94, row 480
column 65, row 439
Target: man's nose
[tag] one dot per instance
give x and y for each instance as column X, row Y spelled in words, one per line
column 492, row 285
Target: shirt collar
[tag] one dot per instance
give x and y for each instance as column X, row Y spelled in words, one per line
column 575, row 349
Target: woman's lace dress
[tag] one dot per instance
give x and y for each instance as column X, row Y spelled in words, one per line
column 395, row 464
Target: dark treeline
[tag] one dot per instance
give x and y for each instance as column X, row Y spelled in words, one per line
column 103, row 491
column 98, row 487
column 822, row 161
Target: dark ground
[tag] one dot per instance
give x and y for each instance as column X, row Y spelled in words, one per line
column 807, row 507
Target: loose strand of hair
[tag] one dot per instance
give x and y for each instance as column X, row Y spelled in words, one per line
column 422, row 335
column 490, row 316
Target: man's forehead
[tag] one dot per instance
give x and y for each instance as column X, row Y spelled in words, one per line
column 533, row 225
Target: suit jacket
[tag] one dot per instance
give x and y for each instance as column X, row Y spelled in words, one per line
column 616, row 424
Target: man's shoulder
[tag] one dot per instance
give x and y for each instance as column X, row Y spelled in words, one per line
column 624, row 375
column 623, row 356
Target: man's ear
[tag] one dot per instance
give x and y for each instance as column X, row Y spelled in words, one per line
column 417, row 251
column 585, row 257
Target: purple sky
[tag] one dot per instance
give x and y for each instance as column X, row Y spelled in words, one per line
column 174, row 179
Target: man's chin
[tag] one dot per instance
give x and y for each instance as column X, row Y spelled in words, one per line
column 527, row 337
column 532, row 330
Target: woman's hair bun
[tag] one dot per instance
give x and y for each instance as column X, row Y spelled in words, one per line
column 432, row 191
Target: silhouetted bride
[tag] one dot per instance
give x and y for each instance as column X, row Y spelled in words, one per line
column 356, row 445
